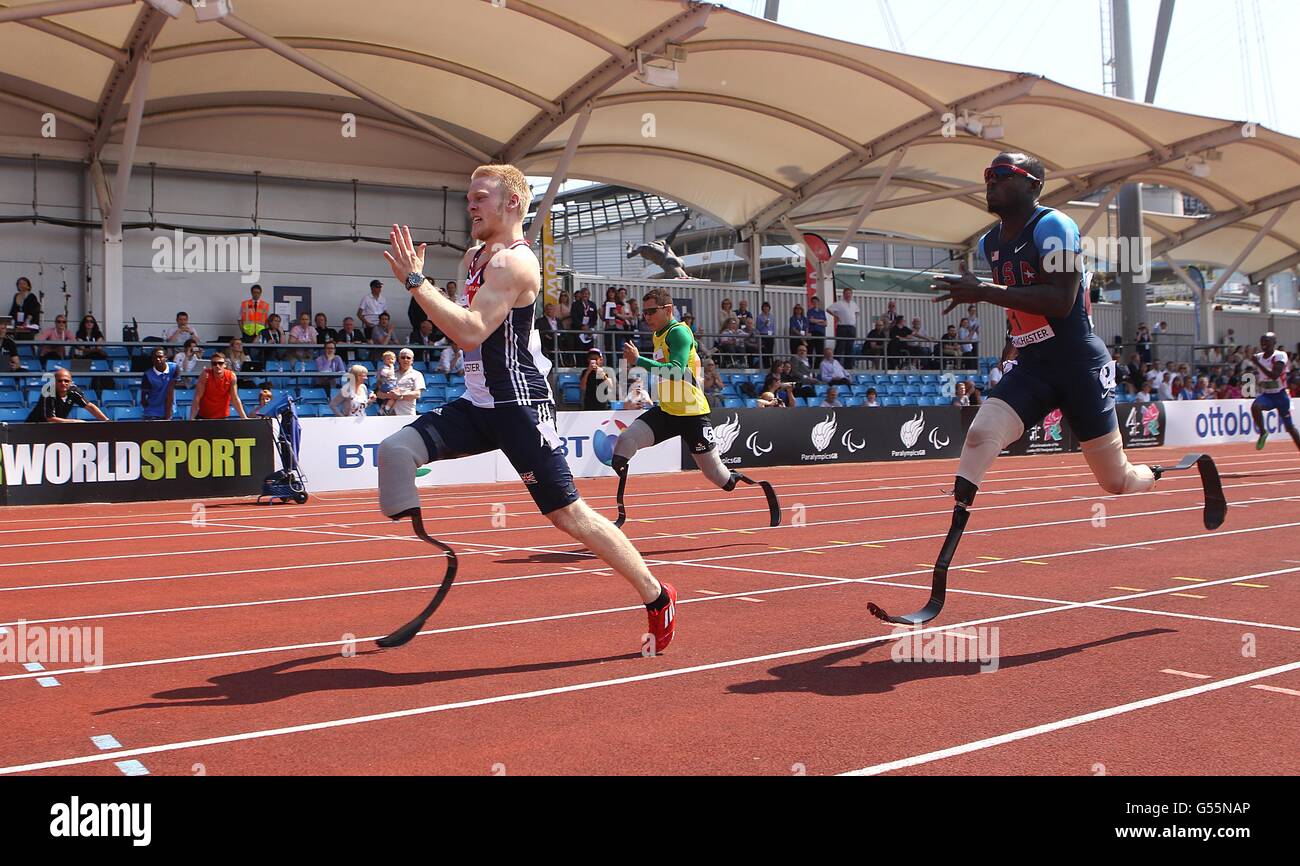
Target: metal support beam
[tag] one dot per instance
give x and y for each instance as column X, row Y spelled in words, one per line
column 1163, row 18
column 1277, row 267
column 756, row 263
column 1133, row 295
column 621, row 64
column 1249, row 248
column 1225, row 218
column 868, row 204
column 293, row 55
column 148, row 24
column 56, row 7
column 113, row 254
column 1198, row 296
column 1102, row 207
column 561, row 170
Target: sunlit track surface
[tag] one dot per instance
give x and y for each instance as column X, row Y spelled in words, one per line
column 1102, row 632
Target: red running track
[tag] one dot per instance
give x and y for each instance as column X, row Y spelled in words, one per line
column 1128, row 640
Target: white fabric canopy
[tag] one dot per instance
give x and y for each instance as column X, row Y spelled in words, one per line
column 766, row 122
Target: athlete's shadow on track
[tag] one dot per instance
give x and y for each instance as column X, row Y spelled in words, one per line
column 568, row 557
column 822, row 676
column 279, row 681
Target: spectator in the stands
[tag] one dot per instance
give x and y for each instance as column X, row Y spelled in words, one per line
column 26, row 309
column 1144, row 394
column 1133, row 373
column 16, row 365
column 188, row 358
column 426, row 342
column 609, row 318
column 892, row 315
column 817, row 323
column 967, row 394
column 1165, row 386
column 382, row 334
column 452, row 361
column 950, row 348
column 780, row 396
column 744, row 316
column 90, row 334
column 920, row 345
column 182, row 331
column 58, row 332
column 727, row 311
column 324, row 331
column 801, row 367
column 875, row 345
column 832, row 399
column 453, row 293
column 563, row 308
column 871, row 400
column 899, row 348
column 252, row 313
column 832, row 372
column 765, row 328
column 845, row 312
column 264, row 396
column 57, row 407
column 158, row 387
column 415, row 314
column 236, row 357
column 730, row 345
column 595, row 383
column 271, row 335
column 1143, row 341
column 329, row 361
column 352, row 401
column 637, row 396
column 304, row 335
column 349, row 333
column 7, row 344
column 371, row 306
column 967, row 338
column 711, row 383
column 973, row 324
column 548, row 326
column 409, row 385
column 798, row 328
column 216, row 392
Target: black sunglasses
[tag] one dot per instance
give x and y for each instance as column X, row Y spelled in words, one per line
column 649, row 311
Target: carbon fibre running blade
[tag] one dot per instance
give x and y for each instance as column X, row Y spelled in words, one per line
column 404, row 634
column 1216, row 504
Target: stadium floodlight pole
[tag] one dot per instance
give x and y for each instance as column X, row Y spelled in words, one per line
column 1198, row 292
column 558, row 175
column 57, row 7
column 1133, row 297
column 1163, row 19
column 868, row 204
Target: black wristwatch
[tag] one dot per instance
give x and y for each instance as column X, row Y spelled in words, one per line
column 414, row 280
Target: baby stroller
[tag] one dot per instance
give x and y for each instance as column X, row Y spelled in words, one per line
column 287, row 482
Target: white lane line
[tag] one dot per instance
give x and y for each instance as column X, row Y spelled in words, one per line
column 596, row 684
column 1187, row 674
column 1036, row 730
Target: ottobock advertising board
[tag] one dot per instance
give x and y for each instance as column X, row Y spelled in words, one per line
column 1215, row 422
column 340, row 453
column 132, row 461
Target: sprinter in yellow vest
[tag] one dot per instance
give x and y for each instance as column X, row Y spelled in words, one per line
column 252, row 313
column 683, row 409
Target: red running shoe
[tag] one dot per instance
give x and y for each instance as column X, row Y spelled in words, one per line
column 662, row 622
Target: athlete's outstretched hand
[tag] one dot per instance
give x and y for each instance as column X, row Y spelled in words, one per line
column 630, row 354
column 404, row 258
column 959, row 290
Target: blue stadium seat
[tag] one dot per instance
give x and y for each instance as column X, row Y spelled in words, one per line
column 751, row 403
column 733, row 403
column 852, row 401
column 274, row 366
column 126, row 413
column 572, row 394
column 12, row 415
column 454, row 392
column 82, row 414
column 896, row 379
column 313, row 395
column 730, row 390
column 820, row 390
column 888, row 401
column 33, row 394
column 98, row 365
column 116, row 397
column 9, row 397
column 564, row 379
column 249, row 396
column 184, row 395
column 117, row 352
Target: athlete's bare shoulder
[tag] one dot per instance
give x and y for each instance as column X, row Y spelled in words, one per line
column 515, row 272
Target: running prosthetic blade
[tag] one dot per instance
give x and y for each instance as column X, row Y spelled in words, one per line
column 938, row 583
column 773, row 504
column 1216, row 504
column 412, row 628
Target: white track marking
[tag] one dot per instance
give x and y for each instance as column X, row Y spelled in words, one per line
column 1036, row 730
column 1187, row 674
column 674, row 672
column 1279, row 690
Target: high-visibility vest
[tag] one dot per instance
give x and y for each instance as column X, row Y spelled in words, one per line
column 252, row 316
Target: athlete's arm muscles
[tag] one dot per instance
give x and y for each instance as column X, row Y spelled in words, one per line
column 1052, row 294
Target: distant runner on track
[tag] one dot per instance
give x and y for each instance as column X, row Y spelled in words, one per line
column 1272, row 363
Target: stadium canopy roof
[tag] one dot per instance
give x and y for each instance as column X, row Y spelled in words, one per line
column 767, row 126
